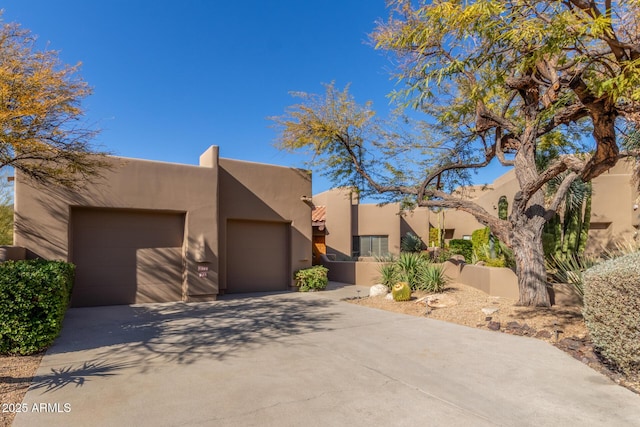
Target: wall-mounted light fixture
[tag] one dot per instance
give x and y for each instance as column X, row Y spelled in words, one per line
column 308, row 200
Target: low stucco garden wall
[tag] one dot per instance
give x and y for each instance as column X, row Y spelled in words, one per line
column 13, row 253
column 500, row 282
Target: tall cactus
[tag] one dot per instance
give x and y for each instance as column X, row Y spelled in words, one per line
column 569, row 235
column 503, row 207
column 586, row 221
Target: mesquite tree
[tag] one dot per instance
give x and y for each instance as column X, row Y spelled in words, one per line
column 42, row 133
column 497, row 80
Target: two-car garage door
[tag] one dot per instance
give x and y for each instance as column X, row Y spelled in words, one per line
column 126, row 257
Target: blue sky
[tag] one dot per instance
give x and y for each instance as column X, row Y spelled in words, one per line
column 172, row 78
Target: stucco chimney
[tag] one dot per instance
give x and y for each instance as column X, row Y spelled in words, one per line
column 209, row 158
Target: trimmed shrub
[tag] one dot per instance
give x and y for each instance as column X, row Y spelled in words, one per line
column 480, row 241
column 34, row 296
column 611, row 307
column 461, row 247
column 401, row 291
column 312, row 278
column 495, row 262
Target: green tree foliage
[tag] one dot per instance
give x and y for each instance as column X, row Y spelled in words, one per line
column 42, row 134
column 497, row 80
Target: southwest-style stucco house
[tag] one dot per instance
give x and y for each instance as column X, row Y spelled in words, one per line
column 157, row 232
column 345, row 229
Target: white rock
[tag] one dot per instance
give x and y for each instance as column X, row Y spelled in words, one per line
column 378, row 290
column 489, row 310
column 389, row 296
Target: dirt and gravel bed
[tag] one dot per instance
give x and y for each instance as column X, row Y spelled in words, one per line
column 561, row 325
column 16, row 373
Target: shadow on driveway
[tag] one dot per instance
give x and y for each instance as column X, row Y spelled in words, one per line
column 138, row 337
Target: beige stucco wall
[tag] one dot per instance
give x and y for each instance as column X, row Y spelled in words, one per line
column 42, row 214
column 501, row 282
column 374, row 220
column 613, row 202
column 338, row 221
column 259, row 192
column 416, row 222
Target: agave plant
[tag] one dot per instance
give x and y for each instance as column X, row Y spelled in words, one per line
column 569, row 270
column 409, row 265
column 432, row 278
column 410, row 243
column 388, row 272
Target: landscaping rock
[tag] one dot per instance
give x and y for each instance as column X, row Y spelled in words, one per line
column 489, row 310
column 544, row 334
column 378, row 290
column 515, row 328
column 440, row 301
column 494, row 326
column 579, row 348
column 389, row 297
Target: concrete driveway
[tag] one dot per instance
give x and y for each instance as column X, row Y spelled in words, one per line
column 307, row 359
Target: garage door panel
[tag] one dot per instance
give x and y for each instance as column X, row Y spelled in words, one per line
column 157, row 292
column 257, row 256
column 96, row 257
column 126, row 257
column 91, row 298
column 156, row 265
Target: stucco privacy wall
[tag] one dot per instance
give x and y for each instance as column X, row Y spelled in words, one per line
column 270, row 200
column 43, row 215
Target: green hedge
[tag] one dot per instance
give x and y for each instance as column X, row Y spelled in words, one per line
column 34, row 296
column 611, row 307
column 461, row 247
column 312, row 279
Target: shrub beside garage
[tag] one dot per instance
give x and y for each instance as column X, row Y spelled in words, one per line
column 34, row 296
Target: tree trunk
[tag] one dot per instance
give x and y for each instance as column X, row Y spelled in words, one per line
column 530, row 267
